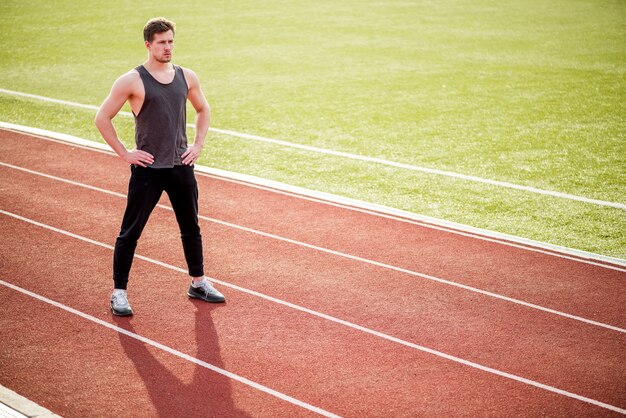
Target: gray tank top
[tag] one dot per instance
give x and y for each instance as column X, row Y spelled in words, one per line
column 160, row 126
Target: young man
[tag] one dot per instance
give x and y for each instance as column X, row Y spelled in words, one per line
column 157, row 92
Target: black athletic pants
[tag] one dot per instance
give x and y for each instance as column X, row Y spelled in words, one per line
column 144, row 190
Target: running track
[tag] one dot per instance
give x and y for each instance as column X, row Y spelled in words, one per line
column 329, row 310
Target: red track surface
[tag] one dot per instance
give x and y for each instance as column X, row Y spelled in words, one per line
column 79, row 368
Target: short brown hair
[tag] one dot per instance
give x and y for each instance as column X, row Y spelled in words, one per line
column 157, row 25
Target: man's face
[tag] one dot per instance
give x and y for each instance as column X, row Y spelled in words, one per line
column 161, row 46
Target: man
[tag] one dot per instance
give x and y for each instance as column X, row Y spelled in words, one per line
column 157, row 92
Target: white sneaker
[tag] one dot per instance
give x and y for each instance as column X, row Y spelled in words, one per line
column 119, row 303
column 204, row 290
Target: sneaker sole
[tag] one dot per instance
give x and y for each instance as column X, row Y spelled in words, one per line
column 191, row 295
column 121, row 313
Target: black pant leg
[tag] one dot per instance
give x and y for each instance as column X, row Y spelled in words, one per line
column 144, row 190
column 182, row 190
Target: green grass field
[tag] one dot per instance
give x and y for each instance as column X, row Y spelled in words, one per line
column 532, row 93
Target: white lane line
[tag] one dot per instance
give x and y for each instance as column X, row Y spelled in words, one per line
column 350, row 204
column 174, row 352
column 432, row 223
column 357, row 157
column 329, row 318
column 427, row 170
column 342, row 254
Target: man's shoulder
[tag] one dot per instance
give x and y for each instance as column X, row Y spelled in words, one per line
column 190, row 76
column 188, row 71
column 127, row 80
column 132, row 74
column 127, row 84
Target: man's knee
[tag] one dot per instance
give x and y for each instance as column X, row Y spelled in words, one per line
column 126, row 241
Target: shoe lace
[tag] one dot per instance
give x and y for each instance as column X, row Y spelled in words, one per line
column 120, row 299
column 205, row 286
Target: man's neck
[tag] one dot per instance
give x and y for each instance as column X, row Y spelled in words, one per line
column 154, row 65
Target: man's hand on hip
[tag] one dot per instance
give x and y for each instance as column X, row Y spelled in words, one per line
column 138, row 157
column 192, row 154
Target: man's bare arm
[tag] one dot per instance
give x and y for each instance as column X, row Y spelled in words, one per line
column 203, row 117
column 120, row 93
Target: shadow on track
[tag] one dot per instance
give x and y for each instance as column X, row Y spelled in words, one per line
column 208, row 394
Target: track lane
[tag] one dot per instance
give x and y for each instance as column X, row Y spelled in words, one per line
column 164, row 227
column 534, row 277
column 350, row 373
column 79, row 369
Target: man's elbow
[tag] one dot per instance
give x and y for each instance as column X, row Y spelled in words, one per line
column 205, row 110
column 100, row 119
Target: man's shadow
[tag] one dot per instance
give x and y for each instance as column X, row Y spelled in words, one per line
column 208, row 394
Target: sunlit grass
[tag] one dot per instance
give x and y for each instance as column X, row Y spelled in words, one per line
column 532, row 93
